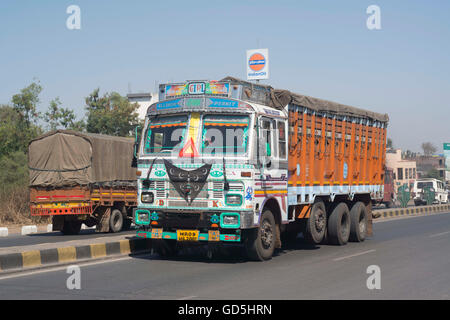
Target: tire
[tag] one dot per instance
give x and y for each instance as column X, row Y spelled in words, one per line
column 260, row 242
column 358, row 222
column 115, row 221
column 165, row 248
column 71, row 227
column 316, row 225
column 339, row 225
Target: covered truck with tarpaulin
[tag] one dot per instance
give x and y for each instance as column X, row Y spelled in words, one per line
column 82, row 178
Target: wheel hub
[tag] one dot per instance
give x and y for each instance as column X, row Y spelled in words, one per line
column 266, row 234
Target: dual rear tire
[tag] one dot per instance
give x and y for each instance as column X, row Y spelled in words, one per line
column 341, row 225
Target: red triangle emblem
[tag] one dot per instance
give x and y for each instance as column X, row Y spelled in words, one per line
column 189, row 150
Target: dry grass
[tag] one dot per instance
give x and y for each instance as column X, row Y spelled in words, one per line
column 15, row 207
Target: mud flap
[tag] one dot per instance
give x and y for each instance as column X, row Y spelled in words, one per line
column 103, row 225
column 57, row 223
column 369, row 219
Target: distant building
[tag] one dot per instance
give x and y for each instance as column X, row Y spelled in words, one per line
column 404, row 170
column 427, row 163
column 144, row 100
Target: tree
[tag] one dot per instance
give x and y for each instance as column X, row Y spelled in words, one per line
column 25, row 102
column 111, row 114
column 389, row 143
column 58, row 117
column 428, row 148
column 433, row 173
column 14, row 133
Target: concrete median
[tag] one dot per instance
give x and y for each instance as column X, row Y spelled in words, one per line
column 30, row 258
column 410, row 211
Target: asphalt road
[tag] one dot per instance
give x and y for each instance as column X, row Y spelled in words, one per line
column 413, row 255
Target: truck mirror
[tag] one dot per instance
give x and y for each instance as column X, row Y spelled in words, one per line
column 136, row 140
column 268, row 150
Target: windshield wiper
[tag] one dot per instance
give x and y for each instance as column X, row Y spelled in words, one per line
column 226, row 185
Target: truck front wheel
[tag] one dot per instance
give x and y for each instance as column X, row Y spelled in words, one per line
column 260, row 242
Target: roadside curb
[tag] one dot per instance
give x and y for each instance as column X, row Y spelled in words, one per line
column 29, row 229
column 414, row 211
column 21, row 261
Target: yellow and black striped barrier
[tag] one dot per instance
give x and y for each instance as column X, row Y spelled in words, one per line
column 55, row 256
column 410, row 211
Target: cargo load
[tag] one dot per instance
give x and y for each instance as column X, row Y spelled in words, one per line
column 82, row 178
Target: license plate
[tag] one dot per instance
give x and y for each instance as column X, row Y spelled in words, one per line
column 187, row 235
column 214, row 235
column 157, row 233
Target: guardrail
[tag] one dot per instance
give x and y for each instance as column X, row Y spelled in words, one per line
column 411, row 211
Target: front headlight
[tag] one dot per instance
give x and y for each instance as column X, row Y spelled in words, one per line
column 147, row 197
column 233, row 199
column 230, row 220
column 143, row 216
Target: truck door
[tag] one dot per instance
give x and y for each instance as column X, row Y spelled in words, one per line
column 272, row 149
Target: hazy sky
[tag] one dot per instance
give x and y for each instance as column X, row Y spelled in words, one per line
column 317, row 48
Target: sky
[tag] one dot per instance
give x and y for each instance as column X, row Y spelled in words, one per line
column 317, row 48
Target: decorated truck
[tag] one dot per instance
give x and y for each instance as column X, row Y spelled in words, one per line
column 237, row 162
column 82, row 178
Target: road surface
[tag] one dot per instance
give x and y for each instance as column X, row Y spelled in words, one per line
column 413, row 255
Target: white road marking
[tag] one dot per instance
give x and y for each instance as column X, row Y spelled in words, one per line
column 439, row 234
column 56, row 268
column 354, row 255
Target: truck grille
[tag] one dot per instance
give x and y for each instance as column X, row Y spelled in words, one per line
column 183, row 203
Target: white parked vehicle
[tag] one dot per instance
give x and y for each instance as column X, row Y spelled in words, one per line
column 441, row 194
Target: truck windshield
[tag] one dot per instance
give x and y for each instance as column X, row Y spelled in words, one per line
column 421, row 185
column 224, row 134
column 165, row 134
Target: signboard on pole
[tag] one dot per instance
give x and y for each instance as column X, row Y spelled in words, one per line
column 447, row 156
column 257, row 64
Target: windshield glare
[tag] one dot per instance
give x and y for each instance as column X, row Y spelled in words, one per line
column 224, row 135
column 421, row 185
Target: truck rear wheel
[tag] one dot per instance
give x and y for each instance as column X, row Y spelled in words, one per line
column 339, row 225
column 316, row 223
column 115, row 220
column 260, row 242
column 358, row 222
column 71, row 227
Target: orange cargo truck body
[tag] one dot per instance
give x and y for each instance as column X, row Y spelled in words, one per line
column 334, row 151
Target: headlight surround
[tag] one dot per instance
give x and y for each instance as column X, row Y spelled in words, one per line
column 230, row 220
column 233, row 199
column 142, row 216
column 147, row 197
